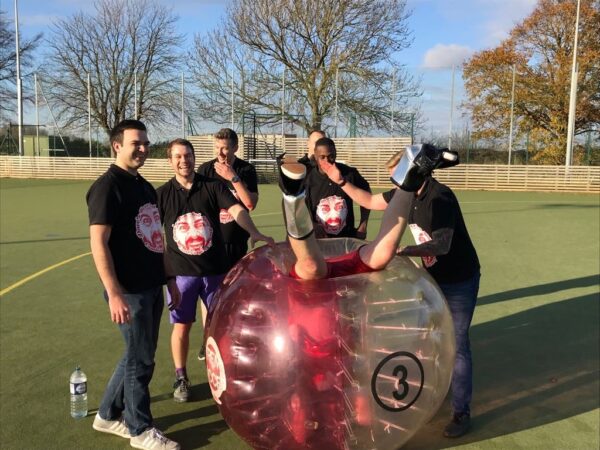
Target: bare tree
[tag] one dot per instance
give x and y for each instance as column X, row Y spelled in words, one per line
column 8, row 66
column 313, row 41
column 123, row 40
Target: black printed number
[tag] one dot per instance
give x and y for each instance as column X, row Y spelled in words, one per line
column 401, row 383
column 397, row 366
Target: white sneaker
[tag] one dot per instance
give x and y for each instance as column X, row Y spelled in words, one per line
column 153, row 439
column 116, row 427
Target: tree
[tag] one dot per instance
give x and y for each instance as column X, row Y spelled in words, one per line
column 541, row 49
column 8, row 64
column 123, row 40
column 305, row 44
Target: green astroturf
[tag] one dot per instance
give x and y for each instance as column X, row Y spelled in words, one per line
column 534, row 336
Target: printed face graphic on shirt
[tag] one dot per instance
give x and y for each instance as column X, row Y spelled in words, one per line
column 331, row 213
column 192, row 233
column 148, row 229
column 420, row 236
column 224, row 216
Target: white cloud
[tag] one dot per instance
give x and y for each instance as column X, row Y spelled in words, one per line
column 442, row 56
column 502, row 15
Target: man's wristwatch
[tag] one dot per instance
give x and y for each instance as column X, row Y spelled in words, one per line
column 235, row 179
column 343, row 183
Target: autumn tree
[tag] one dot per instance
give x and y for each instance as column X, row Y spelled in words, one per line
column 306, row 45
column 541, row 50
column 121, row 41
column 8, row 65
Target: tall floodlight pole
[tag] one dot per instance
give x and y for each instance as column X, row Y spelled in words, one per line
column 336, row 101
column 232, row 106
column 89, row 86
column 19, row 82
column 451, row 110
column 393, row 102
column 37, row 117
column 282, row 106
column 573, row 96
column 512, row 107
column 135, row 104
column 182, row 105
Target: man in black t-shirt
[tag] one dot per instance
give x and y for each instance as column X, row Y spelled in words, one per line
column 447, row 253
column 331, row 209
column 127, row 247
column 190, row 206
column 240, row 177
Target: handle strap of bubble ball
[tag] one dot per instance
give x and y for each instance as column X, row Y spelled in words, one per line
column 297, row 218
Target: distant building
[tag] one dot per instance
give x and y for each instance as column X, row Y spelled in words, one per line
column 9, row 135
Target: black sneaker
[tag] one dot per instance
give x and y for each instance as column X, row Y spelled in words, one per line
column 182, row 390
column 291, row 175
column 202, row 353
column 458, row 426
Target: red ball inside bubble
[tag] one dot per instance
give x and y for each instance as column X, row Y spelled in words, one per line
column 355, row 362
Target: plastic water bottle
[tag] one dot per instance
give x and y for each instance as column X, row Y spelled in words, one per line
column 79, row 405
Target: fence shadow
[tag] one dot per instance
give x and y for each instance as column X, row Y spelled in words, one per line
column 542, row 289
column 532, row 368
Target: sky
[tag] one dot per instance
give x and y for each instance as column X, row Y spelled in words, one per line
column 445, row 33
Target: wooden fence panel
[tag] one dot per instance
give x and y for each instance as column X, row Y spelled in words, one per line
column 368, row 156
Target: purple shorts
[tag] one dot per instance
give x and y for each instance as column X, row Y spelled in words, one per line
column 191, row 288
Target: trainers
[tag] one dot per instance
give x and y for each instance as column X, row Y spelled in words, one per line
column 116, row 427
column 153, row 439
column 458, row 426
column 202, row 353
column 291, row 175
column 182, row 390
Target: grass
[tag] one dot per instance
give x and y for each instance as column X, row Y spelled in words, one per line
column 535, row 334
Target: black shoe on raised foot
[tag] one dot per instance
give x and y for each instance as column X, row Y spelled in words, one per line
column 458, row 426
column 291, row 175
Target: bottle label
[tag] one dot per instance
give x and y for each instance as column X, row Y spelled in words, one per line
column 78, row 388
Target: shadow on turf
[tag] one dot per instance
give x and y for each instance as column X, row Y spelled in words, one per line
column 34, row 241
column 541, row 289
column 532, row 369
column 199, row 435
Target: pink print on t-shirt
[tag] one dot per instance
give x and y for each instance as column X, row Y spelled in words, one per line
column 420, row 237
column 192, row 233
column 148, row 229
column 331, row 213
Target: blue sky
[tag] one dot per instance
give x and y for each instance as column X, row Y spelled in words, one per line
column 445, row 32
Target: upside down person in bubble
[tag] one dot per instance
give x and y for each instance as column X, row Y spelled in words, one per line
column 313, row 320
column 448, row 254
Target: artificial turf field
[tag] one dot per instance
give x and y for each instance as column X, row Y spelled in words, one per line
column 535, row 334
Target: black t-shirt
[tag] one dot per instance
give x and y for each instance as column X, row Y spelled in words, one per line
column 127, row 203
column 232, row 232
column 329, row 205
column 191, row 220
column 437, row 207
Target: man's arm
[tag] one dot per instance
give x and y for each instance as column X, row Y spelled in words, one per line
column 119, row 309
column 438, row 245
column 364, row 198
column 249, row 199
column 243, row 219
column 361, row 183
column 442, row 229
column 171, row 283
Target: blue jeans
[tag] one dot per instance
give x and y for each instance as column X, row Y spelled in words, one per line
column 461, row 298
column 127, row 391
